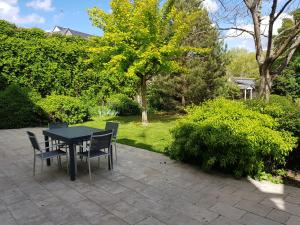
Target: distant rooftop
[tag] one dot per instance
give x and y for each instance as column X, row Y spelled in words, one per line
column 244, row 83
column 68, row 32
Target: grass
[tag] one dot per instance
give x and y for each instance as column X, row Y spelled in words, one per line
column 154, row 137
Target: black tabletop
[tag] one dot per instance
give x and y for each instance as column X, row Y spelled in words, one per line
column 71, row 134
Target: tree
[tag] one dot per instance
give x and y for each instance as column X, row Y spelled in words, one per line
column 242, row 63
column 204, row 75
column 289, row 82
column 263, row 16
column 141, row 40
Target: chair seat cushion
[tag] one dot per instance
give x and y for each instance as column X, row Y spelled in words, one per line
column 93, row 154
column 51, row 154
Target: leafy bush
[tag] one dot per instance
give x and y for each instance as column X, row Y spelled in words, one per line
column 123, row 105
column 18, row 108
column 287, row 114
column 64, row 108
column 227, row 135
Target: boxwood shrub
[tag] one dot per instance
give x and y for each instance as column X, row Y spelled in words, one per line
column 227, row 135
column 64, row 108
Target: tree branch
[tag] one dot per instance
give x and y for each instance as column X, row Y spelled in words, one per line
column 286, row 42
column 239, row 29
column 288, row 57
column 270, row 31
column 282, row 9
column 256, row 17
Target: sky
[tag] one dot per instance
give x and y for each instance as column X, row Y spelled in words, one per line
column 46, row 14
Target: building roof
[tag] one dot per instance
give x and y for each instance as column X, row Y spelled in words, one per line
column 68, row 31
column 244, row 83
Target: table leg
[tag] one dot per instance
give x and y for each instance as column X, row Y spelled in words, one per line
column 47, row 148
column 72, row 152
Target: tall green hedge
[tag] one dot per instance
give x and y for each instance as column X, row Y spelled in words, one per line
column 54, row 64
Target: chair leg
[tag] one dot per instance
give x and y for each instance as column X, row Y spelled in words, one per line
column 59, row 160
column 98, row 162
column 116, row 150
column 42, row 165
column 109, row 162
column 111, row 157
column 67, row 158
column 34, row 166
column 75, row 158
column 90, row 172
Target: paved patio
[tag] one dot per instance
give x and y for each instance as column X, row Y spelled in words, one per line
column 145, row 188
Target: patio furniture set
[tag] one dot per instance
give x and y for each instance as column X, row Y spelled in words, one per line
column 64, row 141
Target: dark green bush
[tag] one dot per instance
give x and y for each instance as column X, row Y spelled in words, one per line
column 18, row 108
column 227, row 135
column 64, row 108
column 123, row 105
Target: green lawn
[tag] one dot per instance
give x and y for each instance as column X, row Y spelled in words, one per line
column 155, row 136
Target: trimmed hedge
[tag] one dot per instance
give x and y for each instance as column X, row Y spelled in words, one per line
column 18, row 108
column 64, row 108
column 227, row 135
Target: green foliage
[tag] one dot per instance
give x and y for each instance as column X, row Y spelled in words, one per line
column 64, row 108
column 230, row 91
column 141, row 40
column 287, row 114
column 283, row 109
column 165, row 93
column 18, row 108
column 53, row 64
column 288, row 83
column 123, row 105
column 203, row 76
column 242, row 64
column 227, row 135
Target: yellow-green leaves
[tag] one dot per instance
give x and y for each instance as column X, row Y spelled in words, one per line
column 143, row 37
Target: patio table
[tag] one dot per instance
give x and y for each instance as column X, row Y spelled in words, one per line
column 71, row 136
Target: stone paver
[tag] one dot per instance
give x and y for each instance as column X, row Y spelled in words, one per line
column 145, row 188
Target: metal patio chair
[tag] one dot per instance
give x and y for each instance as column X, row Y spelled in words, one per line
column 43, row 154
column 113, row 126
column 99, row 146
column 58, row 125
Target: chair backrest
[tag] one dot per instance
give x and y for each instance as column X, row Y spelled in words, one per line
column 112, row 126
column 33, row 141
column 58, row 125
column 100, row 140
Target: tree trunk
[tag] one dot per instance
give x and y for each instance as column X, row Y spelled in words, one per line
column 183, row 100
column 143, row 89
column 265, row 83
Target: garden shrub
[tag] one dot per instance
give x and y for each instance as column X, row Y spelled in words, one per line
column 123, row 105
column 227, row 135
column 287, row 114
column 18, row 108
column 64, row 108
